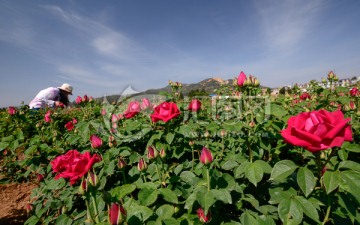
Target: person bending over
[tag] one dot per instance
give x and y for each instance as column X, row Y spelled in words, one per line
column 52, row 97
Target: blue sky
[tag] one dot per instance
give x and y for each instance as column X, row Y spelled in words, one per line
column 103, row 47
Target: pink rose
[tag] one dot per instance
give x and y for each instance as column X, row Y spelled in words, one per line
column 195, row 105
column 11, row 110
column 132, row 110
column 47, row 117
column 165, row 112
column 206, row 156
column 318, row 130
column 78, row 100
column 73, row 165
column 85, row 98
column 145, row 104
column 241, row 79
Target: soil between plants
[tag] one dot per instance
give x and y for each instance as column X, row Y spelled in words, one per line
column 13, row 200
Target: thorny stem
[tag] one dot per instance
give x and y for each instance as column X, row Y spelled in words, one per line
column 95, row 209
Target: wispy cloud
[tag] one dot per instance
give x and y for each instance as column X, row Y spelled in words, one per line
column 285, row 23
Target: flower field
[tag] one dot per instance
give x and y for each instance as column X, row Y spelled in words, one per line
column 240, row 157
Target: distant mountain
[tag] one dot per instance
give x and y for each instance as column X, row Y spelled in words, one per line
column 209, row 85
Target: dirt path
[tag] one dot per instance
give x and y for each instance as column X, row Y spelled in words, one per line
column 13, row 200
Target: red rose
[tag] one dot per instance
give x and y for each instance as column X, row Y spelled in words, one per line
column 78, row 100
column 165, row 112
column 318, row 130
column 305, row 96
column 73, row 165
column 354, row 92
column 195, row 105
column 202, row 217
column 69, row 125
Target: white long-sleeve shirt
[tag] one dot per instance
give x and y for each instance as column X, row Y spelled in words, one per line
column 45, row 98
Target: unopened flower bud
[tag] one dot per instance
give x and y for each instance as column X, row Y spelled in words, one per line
column 142, row 165
column 93, row 179
column 152, row 153
column 162, row 153
column 117, row 214
column 206, row 156
column 121, row 164
column 83, row 186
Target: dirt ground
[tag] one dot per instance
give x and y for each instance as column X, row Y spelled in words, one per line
column 13, row 200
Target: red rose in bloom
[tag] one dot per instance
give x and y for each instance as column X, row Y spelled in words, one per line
column 195, row 105
column 69, row 126
column 241, row 79
column 132, row 110
column 318, row 130
column 354, row 92
column 202, row 217
column 73, row 165
column 165, row 112
column 11, row 110
column 305, row 96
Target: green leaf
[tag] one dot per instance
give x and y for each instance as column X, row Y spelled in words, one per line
column 264, row 165
column 351, row 147
column 64, row 219
column 282, row 170
column 122, row 191
column 241, row 169
column 331, row 180
column 205, row 199
column 229, row 165
column 290, row 211
column 247, row 218
column 147, row 196
column 168, row 195
column 350, row 165
column 141, row 212
column 309, row 208
column 278, row 110
column 254, row 173
column 350, row 183
column 165, row 211
column 187, row 177
column 306, row 180
column 3, row 145
column 222, row 195
column 170, row 137
column 189, row 202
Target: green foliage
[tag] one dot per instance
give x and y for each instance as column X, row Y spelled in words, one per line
column 254, row 177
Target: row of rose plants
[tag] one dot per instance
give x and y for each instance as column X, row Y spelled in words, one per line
column 240, row 158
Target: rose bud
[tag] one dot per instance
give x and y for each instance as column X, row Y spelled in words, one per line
column 29, row 208
column 40, row 177
column 152, row 153
column 93, row 179
column 202, row 217
column 241, row 79
column 83, row 186
column 162, row 153
column 117, row 214
column 206, row 156
column 96, row 142
column 142, row 165
column 121, row 164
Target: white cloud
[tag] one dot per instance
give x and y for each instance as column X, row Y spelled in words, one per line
column 285, row 23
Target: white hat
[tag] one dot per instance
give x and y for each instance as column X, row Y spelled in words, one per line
column 67, row 87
